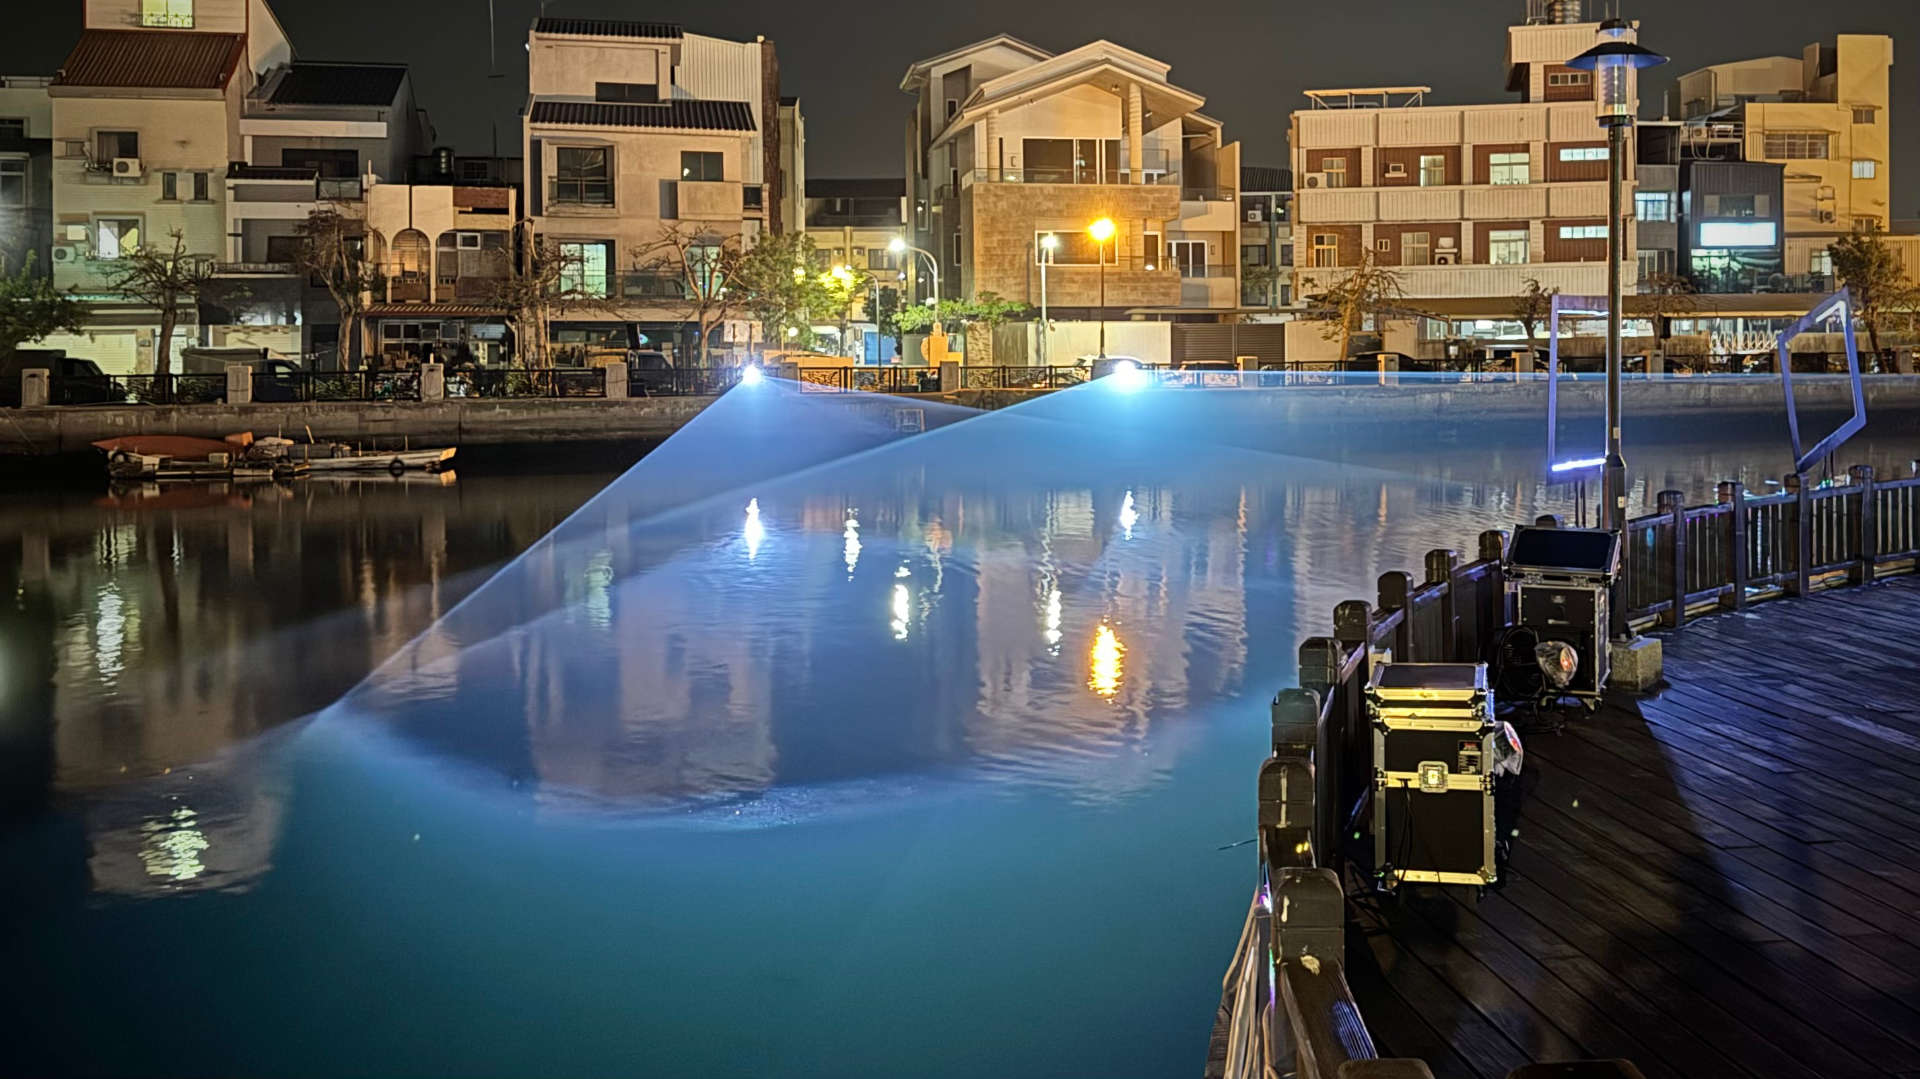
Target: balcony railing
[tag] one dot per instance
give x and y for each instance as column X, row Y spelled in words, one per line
column 1189, row 193
column 252, row 269
column 593, row 193
column 650, row 285
column 330, row 189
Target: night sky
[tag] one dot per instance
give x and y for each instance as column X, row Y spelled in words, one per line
column 1249, row 58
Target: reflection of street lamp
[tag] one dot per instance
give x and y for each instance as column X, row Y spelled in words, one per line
column 1102, row 231
column 1048, row 244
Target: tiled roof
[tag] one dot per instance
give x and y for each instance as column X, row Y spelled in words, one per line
column 607, row 28
column 339, row 84
column 856, row 189
column 174, row 59
column 678, row 115
column 1265, row 178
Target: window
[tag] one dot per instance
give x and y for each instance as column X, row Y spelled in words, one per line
column 1433, row 170
column 1655, row 262
column 1150, row 249
column 1821, row 262
column 1507, row 247
column 200, row 185
column 169, row 186
column 1286, row 254
column 1797, row 145
column 584, row 268
column 1569, row 78
column 1583, row 153
column 472, row 168
column 1073, row 247
column 1416, row 249
column 1326, row 249
column 466, row 241
column 1189, row 255
column 1866, row 224
column 170, row 14
column 1336, row 170
column 330, row 164
column 115, row 237
column 1583, row 232
column 879, row 258
column 13, row 127
column 956, row 247
column 1653, row 205
column 1864, row 168
column 1253, row 254
column 283, row 248
column 583, row 175
column 1383, row 245
column 1508, row 168
column 13, row 181
column 701, row 164
column 637, row 92
column 1864, row 115
column 953, row 107
column 1737, row 206
column 1738, row 234
column 703, row 260
column 111, row 144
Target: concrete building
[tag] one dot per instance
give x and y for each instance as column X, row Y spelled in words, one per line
column 851, row 223
column 146, row 114
column 634, row 130
column 1008, row 144
column 1825, row 119
column 1462, row 201
column 1266, row 237
column 26, row 174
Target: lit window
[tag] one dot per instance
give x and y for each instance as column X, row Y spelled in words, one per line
column 13, row 181
column 1864, row 168
column 1416, row 248
column 1796, row 145
column 1821, row 262
column 171, row 14
column 115, row 237
column 1326, row 249
column 1336, row 170
column 1507, row 247
column 701, row 164
column 1583, row 153
column 1583, row 232
column 1653, row 205
column 1738, row 234
column 1433, row 170
column 1508, row 168
column 583, row 268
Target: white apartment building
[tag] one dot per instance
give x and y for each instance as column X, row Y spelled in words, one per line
column 1462, row 201
column 26, row 173
column 634, row 128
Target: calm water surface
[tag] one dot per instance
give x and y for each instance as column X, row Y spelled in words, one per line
column 920, row 762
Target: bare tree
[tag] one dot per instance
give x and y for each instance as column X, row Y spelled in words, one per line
column 333, row 251
column 703, row 262
column 546, row 281
column 1533, row 306
column 1368, row 290
column 168, row 279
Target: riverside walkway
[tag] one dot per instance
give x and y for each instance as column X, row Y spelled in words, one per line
column 1721, row 878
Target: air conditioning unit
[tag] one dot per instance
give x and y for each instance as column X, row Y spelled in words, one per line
column 1445, row 258
column 1316, row 179
column 1396, row 168
column 126, row 167
column 1826, row 217
column 65, row 253
column 1253, row 217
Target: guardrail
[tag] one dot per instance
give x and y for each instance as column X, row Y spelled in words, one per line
column 1057, row 377
column 888, row 379
column 681, row 381
column 270, row 386
column 1285, row 1004
column 158, row 389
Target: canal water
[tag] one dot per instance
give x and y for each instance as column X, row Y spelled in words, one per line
column 806, row 745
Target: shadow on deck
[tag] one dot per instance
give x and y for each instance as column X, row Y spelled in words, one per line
column 1720, row 879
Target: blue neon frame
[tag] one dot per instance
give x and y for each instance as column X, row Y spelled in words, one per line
column 1842, row 302
column 1589, row 306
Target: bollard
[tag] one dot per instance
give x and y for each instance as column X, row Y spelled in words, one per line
column 433, row 382
column 239, row 384
column 35, row 387
column 616, row 375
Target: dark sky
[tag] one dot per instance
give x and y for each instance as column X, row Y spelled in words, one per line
column 1249, row 58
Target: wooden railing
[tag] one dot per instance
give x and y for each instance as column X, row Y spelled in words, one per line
column 1679, row 562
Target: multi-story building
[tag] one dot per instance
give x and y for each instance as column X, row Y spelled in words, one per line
column 1266, row 237
column 146, row 118
column 853, row 223
column 1463, row 201
column 1009, row 144
column 1824, row 118
column 26, row 174
column 636, row 131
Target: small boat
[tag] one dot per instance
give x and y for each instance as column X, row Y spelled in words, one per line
column 242, row 457
column 378, row 460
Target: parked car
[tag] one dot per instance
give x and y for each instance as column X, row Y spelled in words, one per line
column 76, row 381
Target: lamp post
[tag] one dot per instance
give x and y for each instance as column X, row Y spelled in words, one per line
column 1102, row 231
column 900, row 246
column 1613, row 62
column 1048, row 244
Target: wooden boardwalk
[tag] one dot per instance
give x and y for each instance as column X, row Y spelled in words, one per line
column 1719, row 880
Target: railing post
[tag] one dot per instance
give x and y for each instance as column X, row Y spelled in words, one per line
column 1493, row 549
column 1442, row 564
column 1866, row 542
column 1393, row 588
column 1320, row 673
column 1800, row 518
column 1674, row 505
column 1733, row 495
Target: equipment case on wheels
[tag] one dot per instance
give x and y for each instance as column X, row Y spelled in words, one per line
column 1433, row 756
column 1561, row 581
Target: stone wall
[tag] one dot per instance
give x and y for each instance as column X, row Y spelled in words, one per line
column 1002, row 219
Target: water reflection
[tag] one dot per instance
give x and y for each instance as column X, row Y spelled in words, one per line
column 1104, row 674
column 753, row 532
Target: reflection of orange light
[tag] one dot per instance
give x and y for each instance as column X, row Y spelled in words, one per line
column 1105, row 666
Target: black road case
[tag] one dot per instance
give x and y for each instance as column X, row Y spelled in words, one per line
column 1561, row 583
column 1433, row 753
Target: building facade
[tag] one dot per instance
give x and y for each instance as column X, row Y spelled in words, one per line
column 854, row 223
column 26, row 174
column 638, row 133
column 1266, row 237
column 1008, row 145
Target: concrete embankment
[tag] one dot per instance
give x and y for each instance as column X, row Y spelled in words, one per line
column 1674, row 410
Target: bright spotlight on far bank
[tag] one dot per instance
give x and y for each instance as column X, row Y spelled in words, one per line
column 1128, row 376
column 751, row 375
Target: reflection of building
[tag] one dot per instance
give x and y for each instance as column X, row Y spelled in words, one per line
column 215, row 830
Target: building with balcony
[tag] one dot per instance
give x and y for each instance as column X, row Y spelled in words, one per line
column 26, row 174
column 146, row 117
column 1266, row 237
column 1464, row 202
column 1009, row 144
column 634, row 130
column 1825, row 119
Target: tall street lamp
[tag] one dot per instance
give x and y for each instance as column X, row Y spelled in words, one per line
column 1613, row 62
column 1048, row 244
column 1102, row 231
column 900, row 246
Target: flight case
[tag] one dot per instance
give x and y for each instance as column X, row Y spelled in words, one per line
column 1561, row 581
column 1433, row 753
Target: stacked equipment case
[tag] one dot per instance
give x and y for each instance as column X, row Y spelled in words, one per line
column 1433, row 758
column 1560, row 581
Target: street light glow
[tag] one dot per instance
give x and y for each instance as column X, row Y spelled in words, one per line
column 750, row 375
column 1049, row 241
column 896, row 245
column 1101, row 230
